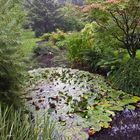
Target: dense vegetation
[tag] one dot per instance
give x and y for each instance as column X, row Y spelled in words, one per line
column 46, row 16
column 11, row 68
column 102, row 37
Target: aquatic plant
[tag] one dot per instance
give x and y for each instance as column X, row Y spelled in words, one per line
column 78, row 100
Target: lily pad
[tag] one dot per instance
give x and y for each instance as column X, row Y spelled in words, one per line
column 76, row 99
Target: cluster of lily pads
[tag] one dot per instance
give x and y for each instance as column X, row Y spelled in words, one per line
column 79, row 101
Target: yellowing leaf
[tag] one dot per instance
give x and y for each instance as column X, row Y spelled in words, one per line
column 110, row 112
column 105, row 124
column 136, row 98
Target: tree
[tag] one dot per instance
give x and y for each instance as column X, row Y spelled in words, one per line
column 43, row 15
column 120, row 18
column 11, row 17
column 76, row 2
column 48, row 15
column 71, row 18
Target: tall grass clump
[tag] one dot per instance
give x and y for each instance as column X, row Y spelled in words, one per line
column 127, row 77
column 16, row 125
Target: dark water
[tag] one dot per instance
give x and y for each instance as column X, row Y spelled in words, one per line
column 125, row 126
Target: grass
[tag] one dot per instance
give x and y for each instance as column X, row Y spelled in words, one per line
column 15, row 125
column 29, row 42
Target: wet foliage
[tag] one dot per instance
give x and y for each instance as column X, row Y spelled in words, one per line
column 82, row 103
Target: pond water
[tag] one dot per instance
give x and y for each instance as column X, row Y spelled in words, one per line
column 78, row 101
column 125, row 126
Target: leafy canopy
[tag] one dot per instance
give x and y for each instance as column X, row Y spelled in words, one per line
column 120, row 19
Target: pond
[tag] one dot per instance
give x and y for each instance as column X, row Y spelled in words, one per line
column 125, row 126
column 81, row 103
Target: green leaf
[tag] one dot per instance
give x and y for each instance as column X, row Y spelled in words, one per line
column 130, row 107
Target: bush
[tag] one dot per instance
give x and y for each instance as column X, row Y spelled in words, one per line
column 61, row 44
column 45, row 36
column 75, row 47
column 46, row 48
column 79, row 42
column 127, row 77
column 57, row 36
column 11, row 81
column 92, row 57
column 54, row 36
column 11, row 66
column 107, row 66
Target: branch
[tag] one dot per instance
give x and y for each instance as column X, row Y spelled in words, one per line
column 117, row 22
column 125, row 18
column 118, row 38
column 135, row 14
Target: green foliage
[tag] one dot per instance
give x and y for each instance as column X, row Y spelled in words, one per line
column 102, row 60
column 54, row 36
column 93, row 57
column 85, row 99
column 61, row 44
column 45, row 49
column 119, row 21
column 79, row 42
column 127, row 77
column 45, row 36
column 109, row 65
column 57, row 38
column 46, row 16
column 90, row 46
column 43, row 16
column 11, row 66
column 29, row 42
column 15, row 125
column 71, row 16
column 75, row 47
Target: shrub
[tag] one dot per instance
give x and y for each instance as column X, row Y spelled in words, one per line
column 75, row 46
column 79, row 42
column 45, row 36
column 11, row 80
column 61, row 44
column 92, row 57
column 11, row 66
column 45, row 48
column 54, row 36
column 127, row 77
column 57, row 36
column 107, row 66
